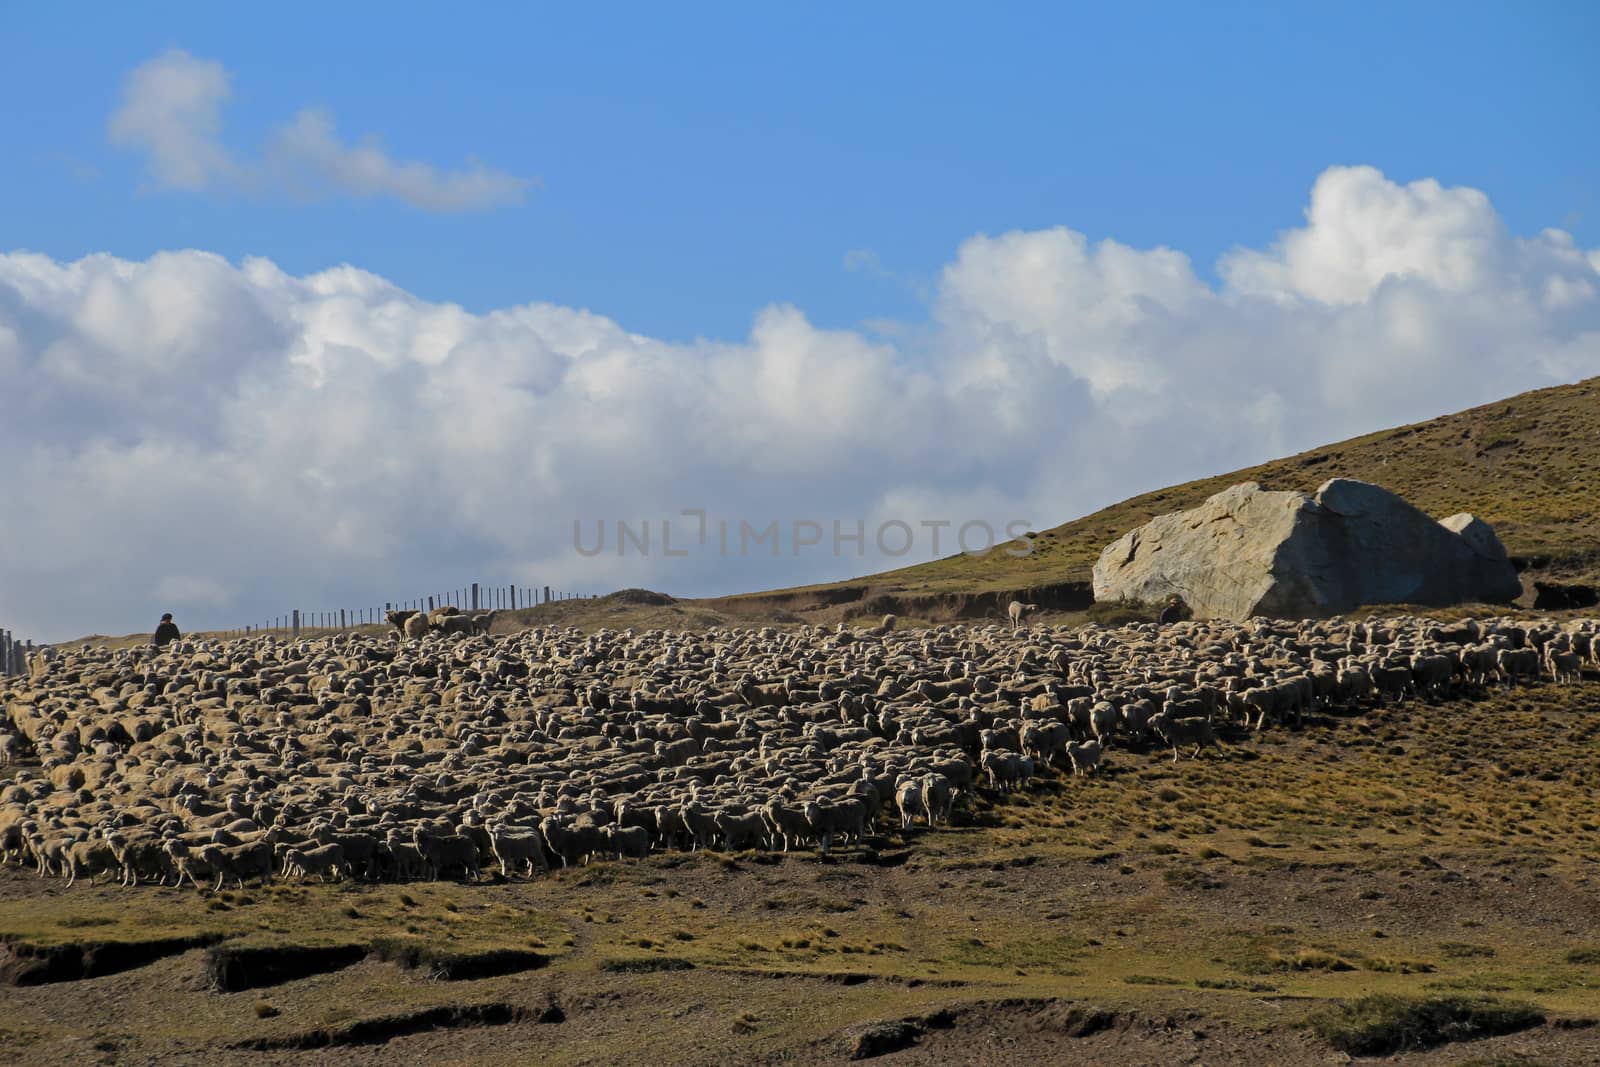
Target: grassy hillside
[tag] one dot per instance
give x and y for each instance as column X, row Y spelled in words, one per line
column 1528, row 465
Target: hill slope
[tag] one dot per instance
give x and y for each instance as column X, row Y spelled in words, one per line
column 1528, row 465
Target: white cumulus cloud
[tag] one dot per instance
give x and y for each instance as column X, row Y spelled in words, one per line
column 228, row 441
column 172, row 112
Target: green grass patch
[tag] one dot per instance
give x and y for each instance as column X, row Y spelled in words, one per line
column 1390, row 965
column 1381, row 1025
column 1056, row 954
column 1151, row 979
column 645, row 964
column 1312, row 959
column 1461, row 950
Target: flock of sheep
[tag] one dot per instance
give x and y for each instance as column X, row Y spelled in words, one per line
column 447, row 619
column 438, row 751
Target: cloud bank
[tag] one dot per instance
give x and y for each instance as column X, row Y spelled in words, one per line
column 172, row 112
column 227, row 441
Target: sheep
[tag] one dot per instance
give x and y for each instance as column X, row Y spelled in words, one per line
column 785, row 824
column 404, row 858
column 1431, row 673
column 1564, row 666
column 911, row 796
column 446, row 852
column 1085, row 756
column 519, row 849
column 184, row 862
column 453, row 624
column 1515, row 663
column 630, row 842
column 397, row 619
column 1263, row 700
column 139, row 856
column 253, row 859
column 1136, row 716
column 1006, row 770
column 1353, row 685
column 1182, row 732
column 1017, row 610
column 741, row 830
column 1043, row 741
column 938, row 796
column 1392, row 680
column 840, row 818
column 671, row 827
column 414, row 756
column 13, row 843
column 360, row 850
column 1080, row 715
column 702, row 826
column 91, row 856
column 323, row 860
column 1103, row 718
column 572, row 843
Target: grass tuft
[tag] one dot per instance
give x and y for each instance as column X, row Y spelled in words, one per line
column 1380, row 1025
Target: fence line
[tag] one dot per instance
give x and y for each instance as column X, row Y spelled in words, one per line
column 14, row 654
column 474, row 597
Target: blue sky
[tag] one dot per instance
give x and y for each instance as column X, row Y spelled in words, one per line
column 695, row 163
column 350, row 303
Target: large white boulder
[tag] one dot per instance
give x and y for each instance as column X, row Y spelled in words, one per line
column 1248, row 551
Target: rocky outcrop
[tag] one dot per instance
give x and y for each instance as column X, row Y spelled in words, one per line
column 1248, row 551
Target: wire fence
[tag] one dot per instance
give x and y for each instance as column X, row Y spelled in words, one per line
column 15, row 652
column 475, row 597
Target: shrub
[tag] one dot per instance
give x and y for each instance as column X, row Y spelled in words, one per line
column 646, row 965
column 1389, row 965
column 1461, row 950
column 1311, row 959
column 1379, row 1025
column 1151, row 979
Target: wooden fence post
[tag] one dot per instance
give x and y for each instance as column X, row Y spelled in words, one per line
column 474, row 596
column 296, row 623
column 547, row 594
